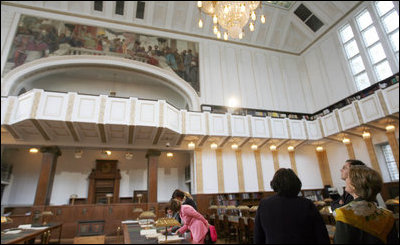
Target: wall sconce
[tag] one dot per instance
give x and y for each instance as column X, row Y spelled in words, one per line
column 170, row 154
column 234, row 146
column 128, row 156
column 254, row 147
column 33, row 150
column 290, row 148
column 73, row 197
column 390, row 128
column 272, row 147
column 319, row 148
column 191, row 145
column 366, row 135
column 346, row 141
column 78, row 154
column 213, row 146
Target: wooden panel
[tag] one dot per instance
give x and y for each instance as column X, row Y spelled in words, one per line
column 372, row 154
column 279, row 128
column 350, row 151
column 239, row 126
column 276, row 160
column 239, row 162
column 314, row 130
column 195, row 123
column 260, row 179
column 330, row 124
column 391, row 96
column 220, row 169
column 293, row 161
column 297, row 129
column 370, row 108
column 348, row 117
column 324, row 168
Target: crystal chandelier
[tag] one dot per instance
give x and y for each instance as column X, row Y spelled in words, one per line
column 231, row 16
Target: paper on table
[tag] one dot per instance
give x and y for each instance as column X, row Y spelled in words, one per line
column 27, row 226
column 148, row 232
column 13, row 232
column 161, row 239
column 129, row 222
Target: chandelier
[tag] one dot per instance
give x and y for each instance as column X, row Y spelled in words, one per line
column 231, row 16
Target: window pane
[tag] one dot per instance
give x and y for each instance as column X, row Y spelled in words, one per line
column 394, row 39
column 357, row 65
column 377, row 53
column 391, row 22
column 346, row 33
column 364, row 20
column 390, row 162
column 383, row 7
column 370, row 36
column 362, row 81
column 351, row 49
column 383, row 70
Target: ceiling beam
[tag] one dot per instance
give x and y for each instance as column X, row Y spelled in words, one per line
column 353, row 134
column 282, row 143
column 203, row 140
column 334, row 140
column 264, row 143
column 225, row 141
column 300, row 144
column 244, row 142
column 374, row 127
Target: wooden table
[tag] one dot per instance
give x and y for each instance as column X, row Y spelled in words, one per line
column 30, row 234
column 132, row 236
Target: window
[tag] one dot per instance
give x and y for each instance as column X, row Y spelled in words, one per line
column 390, row 162
column 370, row 42
column 390, row 22
column 140, row 10
column 373, row 45
column 353, row 57
column 98, row 5
column 119, row 7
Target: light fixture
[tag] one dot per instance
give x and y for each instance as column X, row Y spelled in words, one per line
column 191, row 145
column 390, row 128
column 254, row 147
column 272, row 147
column 319, row 148
column 234, row 146
column 213, row 146
column 108, row 153
column 78, row 154
column 128, row 156
column 231, row 15
column 233, row 102
column 346, row 141
column 290, row 148
column 170, row 154
column 366, row 135
column 34, row 150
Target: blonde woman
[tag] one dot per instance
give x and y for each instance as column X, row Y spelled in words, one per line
column 362, row 221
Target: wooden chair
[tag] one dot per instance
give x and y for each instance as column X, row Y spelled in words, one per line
column 242, row 231
column 90, row 239
column 230, row 231
column 250, row 230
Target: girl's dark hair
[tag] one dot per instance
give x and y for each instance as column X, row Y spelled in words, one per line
column 286, row 183
column 174, row 205
column 178, row 193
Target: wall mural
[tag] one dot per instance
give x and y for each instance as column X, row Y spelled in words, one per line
column 37, row 37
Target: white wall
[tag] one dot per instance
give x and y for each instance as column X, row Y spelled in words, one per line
column 71, row 175
column 258, row 78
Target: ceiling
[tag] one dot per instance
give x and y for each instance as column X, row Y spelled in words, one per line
column 283, row 30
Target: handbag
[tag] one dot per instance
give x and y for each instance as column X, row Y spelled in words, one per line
column 211, row 236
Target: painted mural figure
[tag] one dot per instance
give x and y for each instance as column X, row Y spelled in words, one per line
column 38, row 38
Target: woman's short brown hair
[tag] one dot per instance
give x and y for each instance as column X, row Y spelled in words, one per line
column 174, row 205
column 286, row 183
column 366, row 181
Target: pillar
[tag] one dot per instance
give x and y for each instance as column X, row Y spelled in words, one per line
column 199, row 170
column 293, row 161
column 372, row 154
column 46, row 175
column 260, row 179
column 152, row 168
column 220, row 171
column 324, row 168
column 239, row 163
column 350, row 150
column 275, row 158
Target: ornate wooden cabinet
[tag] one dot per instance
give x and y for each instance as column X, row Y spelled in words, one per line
column 104, row 180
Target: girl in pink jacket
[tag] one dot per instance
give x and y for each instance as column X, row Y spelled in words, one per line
column 192, row 219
